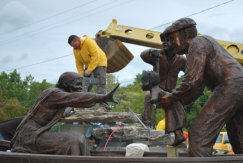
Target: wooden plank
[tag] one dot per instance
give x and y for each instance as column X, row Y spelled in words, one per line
column 172, row 151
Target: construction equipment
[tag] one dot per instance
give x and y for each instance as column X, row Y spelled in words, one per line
column 119, row 56
column 88, row 81
column 222, row 144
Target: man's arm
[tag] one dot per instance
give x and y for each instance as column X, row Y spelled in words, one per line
column 193, row 83
column 79, row 64
column 93, row 51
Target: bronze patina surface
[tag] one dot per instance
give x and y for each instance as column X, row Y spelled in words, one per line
column 175, row 118
column 208, row 64
column 33, row 135
column 168, row 65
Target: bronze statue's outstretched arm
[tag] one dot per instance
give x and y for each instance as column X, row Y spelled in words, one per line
column 79, row 99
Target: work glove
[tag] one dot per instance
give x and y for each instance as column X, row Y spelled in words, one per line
column 109, row 96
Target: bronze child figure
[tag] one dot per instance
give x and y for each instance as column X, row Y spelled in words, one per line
column 175, row 118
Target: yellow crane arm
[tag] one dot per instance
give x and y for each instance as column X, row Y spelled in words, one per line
column 152, row 38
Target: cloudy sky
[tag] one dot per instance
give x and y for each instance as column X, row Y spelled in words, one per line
column 33, row 31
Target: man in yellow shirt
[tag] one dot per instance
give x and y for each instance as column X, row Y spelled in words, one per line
column 90, row 58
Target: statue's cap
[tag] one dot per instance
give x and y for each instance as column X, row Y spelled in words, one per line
column 179, row 25
column 68, row 76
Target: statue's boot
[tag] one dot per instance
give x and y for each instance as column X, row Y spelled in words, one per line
column 179, row 137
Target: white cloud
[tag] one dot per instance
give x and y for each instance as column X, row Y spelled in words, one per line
column 14, row 15
column 23, row 57
column 6, row 60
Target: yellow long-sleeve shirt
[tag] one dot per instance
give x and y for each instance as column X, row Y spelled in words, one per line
column 89, row 56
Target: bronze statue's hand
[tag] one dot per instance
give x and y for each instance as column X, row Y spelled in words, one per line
column 109, row 96
column 166, row 99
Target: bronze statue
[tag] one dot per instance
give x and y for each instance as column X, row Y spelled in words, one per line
column 8, row 127
column 175, row 118
column 150, row 56
column 32, row 135
column 168, row 65
column 208, row 64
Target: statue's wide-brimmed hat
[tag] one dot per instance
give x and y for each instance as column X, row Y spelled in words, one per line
column 179, row 25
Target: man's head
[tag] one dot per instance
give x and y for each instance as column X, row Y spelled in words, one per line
column 74, row 41
column 149, row 79
column 70, row 82
column 177, row 36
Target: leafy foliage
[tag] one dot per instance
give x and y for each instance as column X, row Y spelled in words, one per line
column 17, row 95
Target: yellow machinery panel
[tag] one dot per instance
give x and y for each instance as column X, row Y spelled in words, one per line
column 131, row 35
column 235, row 49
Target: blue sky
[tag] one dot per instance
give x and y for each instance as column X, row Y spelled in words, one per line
column 32, row 31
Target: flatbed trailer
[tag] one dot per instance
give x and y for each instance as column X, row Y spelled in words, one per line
column 112, row 157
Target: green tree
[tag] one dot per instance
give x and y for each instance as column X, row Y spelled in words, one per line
column 35, row 89
column 10, row 109
column 17, row 95
column 137, row 79
column 12, row 86
column 111, row 82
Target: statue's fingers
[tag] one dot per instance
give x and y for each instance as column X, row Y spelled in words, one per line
column 115, row 88
column 115, row 101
